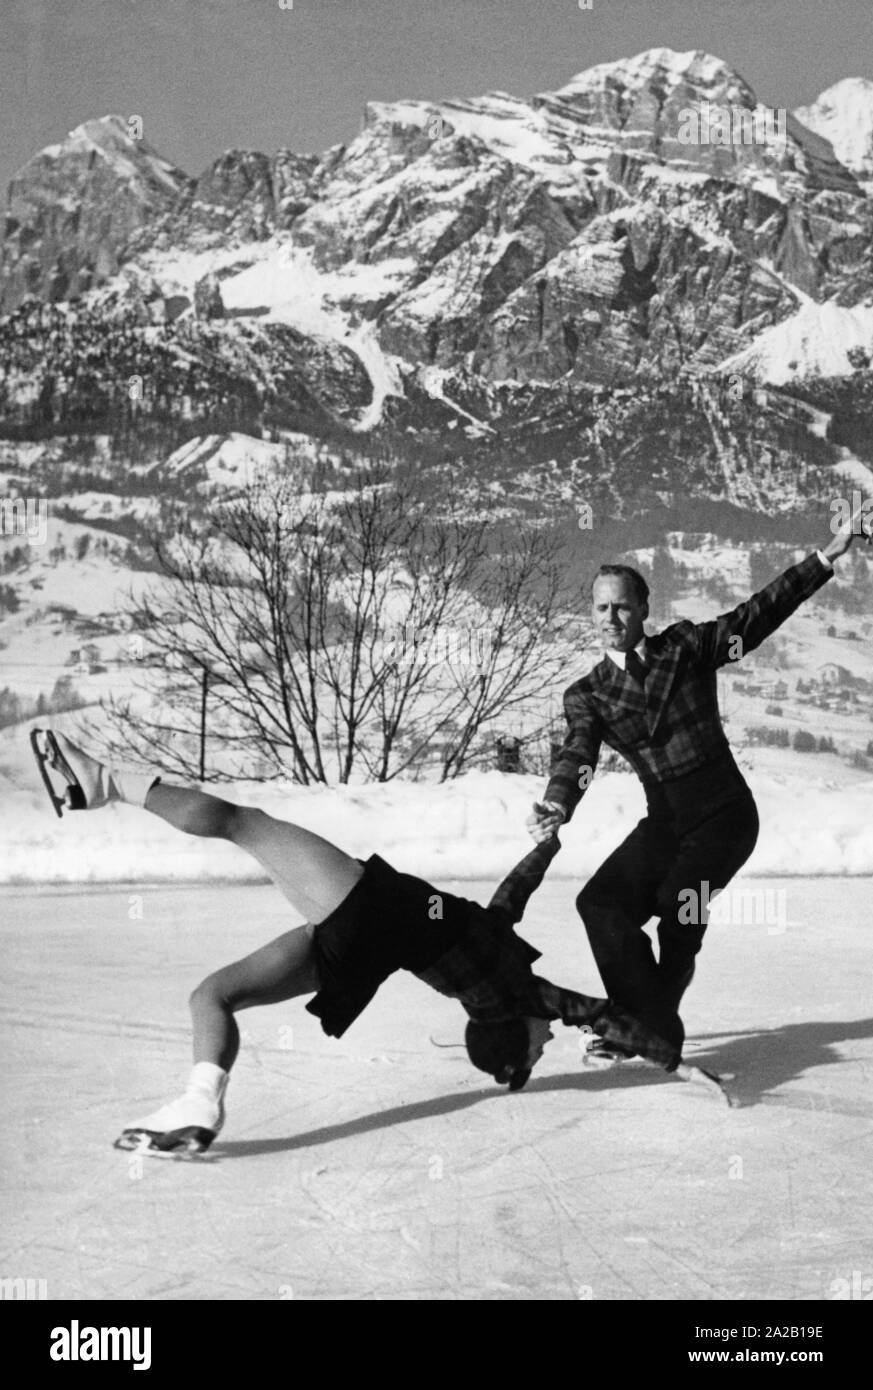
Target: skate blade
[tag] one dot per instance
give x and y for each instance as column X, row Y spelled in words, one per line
column 448, row 1042
column 68, row 795
column 179, row 1144
column 710, row 1079
column 598, row 1058
column 601, row 1063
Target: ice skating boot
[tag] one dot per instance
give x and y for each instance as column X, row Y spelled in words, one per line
column 77, row 782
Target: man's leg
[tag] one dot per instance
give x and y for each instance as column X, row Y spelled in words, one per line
column 616, row 904
column 711, row 853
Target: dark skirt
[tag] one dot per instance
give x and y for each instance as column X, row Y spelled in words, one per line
column 389, row 921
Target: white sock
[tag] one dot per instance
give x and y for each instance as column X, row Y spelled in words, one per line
column 132, row 787
column 201, row 1103
column 207, row 1079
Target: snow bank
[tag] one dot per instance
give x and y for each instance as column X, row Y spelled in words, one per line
column 472, row 828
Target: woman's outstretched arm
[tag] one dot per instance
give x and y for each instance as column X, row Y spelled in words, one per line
column 524, row 879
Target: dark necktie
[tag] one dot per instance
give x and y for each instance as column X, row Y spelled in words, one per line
column 635, row 669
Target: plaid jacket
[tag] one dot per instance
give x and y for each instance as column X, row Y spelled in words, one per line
column 673, row 726
column 489, row 971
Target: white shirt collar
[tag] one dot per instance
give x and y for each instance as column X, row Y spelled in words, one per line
column 620, row 658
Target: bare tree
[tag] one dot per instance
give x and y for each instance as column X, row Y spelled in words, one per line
column 319, row 634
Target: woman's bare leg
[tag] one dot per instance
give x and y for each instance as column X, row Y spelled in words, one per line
column 314, row 875
column 280, row 970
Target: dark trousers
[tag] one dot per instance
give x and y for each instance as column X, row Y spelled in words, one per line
column 700, row 829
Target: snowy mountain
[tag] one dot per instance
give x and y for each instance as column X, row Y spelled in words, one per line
column 820, row 340
column 453, row 260
column 642, row 289
column 578, row 232
column 844, row 116
column 72, row 210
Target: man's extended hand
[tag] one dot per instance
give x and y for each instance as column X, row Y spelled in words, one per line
column 857, row 525
column 545, row 820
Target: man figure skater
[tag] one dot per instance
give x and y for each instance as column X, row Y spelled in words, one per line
column 654, row 700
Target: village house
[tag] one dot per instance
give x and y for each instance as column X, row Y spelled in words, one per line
column 85, row 658
column 832, row 675
column 766, row 684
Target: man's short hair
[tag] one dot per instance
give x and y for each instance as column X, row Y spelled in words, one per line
column 634, row 578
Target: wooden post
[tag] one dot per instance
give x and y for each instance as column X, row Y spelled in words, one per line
column 204, row 686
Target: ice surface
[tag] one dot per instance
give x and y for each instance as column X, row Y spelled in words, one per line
column 379, row 1167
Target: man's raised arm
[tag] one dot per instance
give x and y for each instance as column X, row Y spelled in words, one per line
column 730, row 636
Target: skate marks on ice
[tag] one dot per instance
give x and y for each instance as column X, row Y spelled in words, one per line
column 422, row 1179
column 714, row 1083
column 467, row 1193
column 374, row 1120
column 449, row 1104
column 754, row 1066
column 74, row 1022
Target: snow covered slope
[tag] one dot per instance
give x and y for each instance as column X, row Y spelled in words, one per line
column 820, row 340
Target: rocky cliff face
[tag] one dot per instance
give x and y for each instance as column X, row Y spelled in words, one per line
column 244, row 196
column 648, row 217
column 74, row 209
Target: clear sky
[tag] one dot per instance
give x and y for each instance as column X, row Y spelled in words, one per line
column 206, row 75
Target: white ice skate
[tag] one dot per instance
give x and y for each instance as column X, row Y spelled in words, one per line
column 184, row 1128
column 77, row 782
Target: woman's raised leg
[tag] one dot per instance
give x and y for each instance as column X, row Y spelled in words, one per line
column 314, row 874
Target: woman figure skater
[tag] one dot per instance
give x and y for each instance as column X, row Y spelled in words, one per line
column 363, row 922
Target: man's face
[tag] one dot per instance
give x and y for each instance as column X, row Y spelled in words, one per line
column 616, row 612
